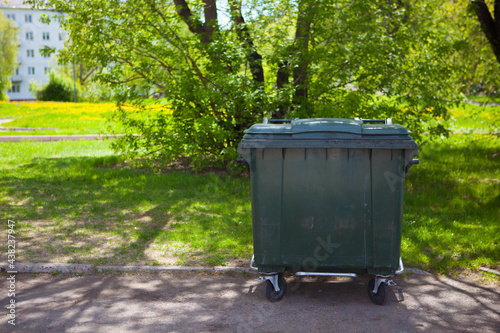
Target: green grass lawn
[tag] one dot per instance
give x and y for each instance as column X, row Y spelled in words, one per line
column 57, row 118
column 452, row 205
column 470, row 118
column 80, row 202
column 74, row 203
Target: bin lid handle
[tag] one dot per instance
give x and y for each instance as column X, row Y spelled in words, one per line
column 387, row 121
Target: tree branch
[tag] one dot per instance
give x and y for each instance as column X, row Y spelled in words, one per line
column 203, row 30
column 327, row 77
column 194, row 25
column 86, row 76
column 182, row 48
column 130, row 79
column 133, row 68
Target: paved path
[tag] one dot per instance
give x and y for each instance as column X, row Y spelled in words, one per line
column 483, row 103
column 225, row 302
column 2, row 121
column 76, row 137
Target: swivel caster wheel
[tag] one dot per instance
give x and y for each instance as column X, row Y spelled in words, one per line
column 272, row 294
column 380, row 297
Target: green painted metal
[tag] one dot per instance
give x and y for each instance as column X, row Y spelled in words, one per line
column 327, row 194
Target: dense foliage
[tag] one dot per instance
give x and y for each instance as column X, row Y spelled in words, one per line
column 8, row 53
column 224, row 66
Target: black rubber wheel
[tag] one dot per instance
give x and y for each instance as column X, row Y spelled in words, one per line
column 380, row 297
column 275, row 296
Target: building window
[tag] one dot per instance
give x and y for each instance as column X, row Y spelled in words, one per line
column 46, row 36
column 61, row 36
column 47, row 70
column 27, row 18
column 45, row 55
column 11, row 16
column 17, row 70
column 29, row 36
column 31, row 70
column 30, row 53
column 15, row 88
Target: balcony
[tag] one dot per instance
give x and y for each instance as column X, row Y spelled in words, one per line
column 16, row 78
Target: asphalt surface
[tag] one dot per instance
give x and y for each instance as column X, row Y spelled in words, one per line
column 235, row 302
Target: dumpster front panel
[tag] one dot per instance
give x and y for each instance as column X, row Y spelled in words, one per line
column 388, row 171
column 327, row 194
column 326, row 208
column 266, row 178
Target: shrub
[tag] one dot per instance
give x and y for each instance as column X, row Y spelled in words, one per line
column 59, row 89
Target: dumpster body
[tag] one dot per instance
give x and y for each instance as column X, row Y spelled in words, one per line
column 327, row 196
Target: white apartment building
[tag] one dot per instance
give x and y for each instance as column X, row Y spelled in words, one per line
column 33, row 36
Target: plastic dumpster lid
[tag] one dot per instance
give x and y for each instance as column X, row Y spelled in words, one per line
column 327, row 132
column 327, row 126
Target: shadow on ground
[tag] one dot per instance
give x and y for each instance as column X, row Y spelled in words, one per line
column 202, row 302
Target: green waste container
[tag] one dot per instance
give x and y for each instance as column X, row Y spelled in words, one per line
column 327, row 198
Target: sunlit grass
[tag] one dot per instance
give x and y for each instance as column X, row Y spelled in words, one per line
column 452, row 204
column 57, row 118
column 470, row 118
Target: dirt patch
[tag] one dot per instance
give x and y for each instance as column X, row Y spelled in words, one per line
column 183, row 164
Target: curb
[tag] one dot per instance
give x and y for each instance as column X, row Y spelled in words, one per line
column 75, row 137
column 26, row 129
column 416, row 271
column 88, row 268
column 29, row 267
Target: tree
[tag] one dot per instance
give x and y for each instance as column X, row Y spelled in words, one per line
column 489, row 25
column 281, row 58
column 8, row 53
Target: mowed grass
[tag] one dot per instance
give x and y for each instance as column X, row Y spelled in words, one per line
column 73, row 202
column 58, row 118
column 452, row 205
column 470, row 118
column 80, row 202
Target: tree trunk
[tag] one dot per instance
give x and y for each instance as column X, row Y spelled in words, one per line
column 490, row 27
column 194, row 25
column 282, row 78
column 302, row 36
column 211, row 24
column 253, row 57
column 496, row 9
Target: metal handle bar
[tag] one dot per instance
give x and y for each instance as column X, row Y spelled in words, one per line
column 387, row 121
